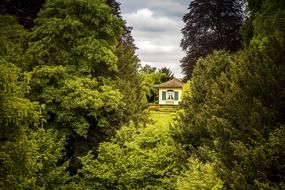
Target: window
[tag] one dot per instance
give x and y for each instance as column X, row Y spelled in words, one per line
column 170, row 95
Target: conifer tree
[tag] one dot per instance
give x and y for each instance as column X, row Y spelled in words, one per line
column 234, row 116
column 168, row 75
column 129, row 80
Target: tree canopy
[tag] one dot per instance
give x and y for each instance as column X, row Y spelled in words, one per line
column 233, row 120
column 210, row 25
column 73, row 100
column 71, row 74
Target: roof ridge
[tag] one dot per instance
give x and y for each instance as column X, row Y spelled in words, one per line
column 172, row 83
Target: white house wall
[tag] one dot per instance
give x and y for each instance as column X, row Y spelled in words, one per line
column 167, row 102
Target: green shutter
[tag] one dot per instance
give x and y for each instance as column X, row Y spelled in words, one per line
column 175, row 95
column 163, row 95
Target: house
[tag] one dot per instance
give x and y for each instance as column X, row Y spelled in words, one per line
column 170, row 92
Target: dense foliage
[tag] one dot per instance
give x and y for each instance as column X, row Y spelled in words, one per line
column 30, row 156
column 137, row 158
column 73, row 98
column 233, row 120
column 65, row 88
column 24, row 11
column 151, row 77
column 210, row 25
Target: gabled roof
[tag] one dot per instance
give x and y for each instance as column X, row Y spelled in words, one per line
column 173, row 83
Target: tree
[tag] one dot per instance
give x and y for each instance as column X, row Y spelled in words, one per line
column 151, row 76
column 137, row 158
column 168, row 74
column 234, row 116
column 71, row 58
column 30, row 156
column 115, row 6
column 210, row 25
column 24, row 11
column 148, row 69
column 130, row 82
column 200, row 176
column 252, row 7
column 242, row 124
column 83, row 74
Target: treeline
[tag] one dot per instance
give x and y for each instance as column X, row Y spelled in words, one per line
column 69, row 79
column 73, row 99
column 233, row 120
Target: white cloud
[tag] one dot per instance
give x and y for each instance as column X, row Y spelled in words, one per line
column 156, row 30
column 149, row 47
column 171, row 8
column 144, row 19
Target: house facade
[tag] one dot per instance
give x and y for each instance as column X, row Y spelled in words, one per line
column 170, row 92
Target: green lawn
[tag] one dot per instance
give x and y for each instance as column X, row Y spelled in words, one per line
column 162, row 118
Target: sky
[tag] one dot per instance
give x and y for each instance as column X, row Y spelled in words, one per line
column 157, row 28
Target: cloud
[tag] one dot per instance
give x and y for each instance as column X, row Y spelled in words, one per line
column 170, row 8
column 156, row 30
column 167, row 8
column 144, row 19
column 149, row 47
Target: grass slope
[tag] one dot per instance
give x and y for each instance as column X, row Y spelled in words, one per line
column 162, row 119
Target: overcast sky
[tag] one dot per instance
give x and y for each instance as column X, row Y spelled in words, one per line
column 157, row 28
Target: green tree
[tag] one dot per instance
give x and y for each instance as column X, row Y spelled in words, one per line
column 252, row 7
column 210, row 25
column 24, row 11
column 71, row 57
column 130, row 82
column 30, row 157
column 148, row 69
column 236, row 108
column 233, row 110
column 168, row 75
column 137, row 158
column 151, row 76
column 200, row 176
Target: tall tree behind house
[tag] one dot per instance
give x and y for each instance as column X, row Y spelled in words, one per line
column 210, row 25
